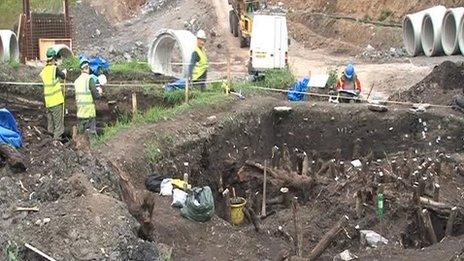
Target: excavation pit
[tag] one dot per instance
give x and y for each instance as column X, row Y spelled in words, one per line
column 390, row 146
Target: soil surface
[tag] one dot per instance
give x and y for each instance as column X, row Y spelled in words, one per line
column 439, row 87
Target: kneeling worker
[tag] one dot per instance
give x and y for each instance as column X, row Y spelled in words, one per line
column 199, row 62
column 349, row 80
column 86, row 94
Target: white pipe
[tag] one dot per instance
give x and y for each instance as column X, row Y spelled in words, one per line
column 431, row 31
column 9, row 49
column 461, row 36
column 450, row 30
column 161, row 49
column 412, row 27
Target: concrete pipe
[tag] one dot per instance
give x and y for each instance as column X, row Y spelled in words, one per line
column 461, row 36
column 450, row 30
column 62, row 51
column 432, row 30
column 161, row 50
column 412, row 28
column 9, row 49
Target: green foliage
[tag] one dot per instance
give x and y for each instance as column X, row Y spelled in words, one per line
column 129, row 67
column 277, row 79
column 178, row 96
column 71, row 64
column 153, row 152
column 386, row 13
column 333, row 77
column 14, row 64
column 12, row 252
column 10, row 10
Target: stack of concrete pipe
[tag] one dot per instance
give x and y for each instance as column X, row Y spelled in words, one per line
column 9, row 48
column 434, row 31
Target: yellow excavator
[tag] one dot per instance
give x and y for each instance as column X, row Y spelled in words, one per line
column 241, row 19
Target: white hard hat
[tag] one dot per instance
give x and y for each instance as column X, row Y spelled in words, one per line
column 201, row 34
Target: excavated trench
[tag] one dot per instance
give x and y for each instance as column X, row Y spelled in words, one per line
column 348, row 132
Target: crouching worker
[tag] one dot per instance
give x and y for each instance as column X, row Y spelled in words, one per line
column 86, row 94
column 349, row 85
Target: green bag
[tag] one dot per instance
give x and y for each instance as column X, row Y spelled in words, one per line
column 199, row 205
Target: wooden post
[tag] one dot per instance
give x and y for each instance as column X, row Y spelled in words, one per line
column 305, row 166
column 327, row 238
column 436, row 192
column 263, row 205
column 134, row 105
column 298, row 230
column 450, row 223
column 286, row 197
column 428, row 226
column 74, row 133
column 359, row 204
column 187, row 91
column 229, row 79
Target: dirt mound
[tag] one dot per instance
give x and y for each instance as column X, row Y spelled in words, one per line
column 439, row 87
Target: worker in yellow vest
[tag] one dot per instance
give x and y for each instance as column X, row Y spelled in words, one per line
column 53, row 95
column 199, row 63
column 86, row 94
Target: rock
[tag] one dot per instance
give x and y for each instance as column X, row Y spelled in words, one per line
column 370, row 48
column 357, row 164
column 345, row 256
column 98, row 32
column 111, row 49
column 127, row 56
column 371, row 238
column 377, row 108
column 46, row 220
column 138, row 44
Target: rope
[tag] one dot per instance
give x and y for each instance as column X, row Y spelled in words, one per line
column 313, row 94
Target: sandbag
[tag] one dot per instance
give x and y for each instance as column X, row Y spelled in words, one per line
column 199, row 205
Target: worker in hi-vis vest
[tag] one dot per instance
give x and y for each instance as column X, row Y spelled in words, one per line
column 86, row 94
column 53, row 95
column 198, row 67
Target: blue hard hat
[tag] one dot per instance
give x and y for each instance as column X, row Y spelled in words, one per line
column 349, row 71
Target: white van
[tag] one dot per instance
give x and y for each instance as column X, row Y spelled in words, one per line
column 269, row 42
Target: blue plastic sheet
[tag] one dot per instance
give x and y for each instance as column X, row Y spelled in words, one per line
column 96, row 63
column 9, row 132
column 300, row 86
column 177, row 85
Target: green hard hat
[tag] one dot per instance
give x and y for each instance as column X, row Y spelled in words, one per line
column 51, row 53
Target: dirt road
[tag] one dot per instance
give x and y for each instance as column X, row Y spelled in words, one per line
column 386, row 78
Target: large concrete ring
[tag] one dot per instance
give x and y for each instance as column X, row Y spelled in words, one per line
column 160, row 52
column 9, row 49
column 62, row 51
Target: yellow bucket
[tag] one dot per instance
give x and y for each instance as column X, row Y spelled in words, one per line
column 236, row 211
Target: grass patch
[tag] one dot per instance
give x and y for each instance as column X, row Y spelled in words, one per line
column 71, row 64
column 210, row 97
column 178, row 96
column 153, row 152
column 333, row 77
column 130, row 67
column 10, row 10
column 14, row 64
column 277, row 79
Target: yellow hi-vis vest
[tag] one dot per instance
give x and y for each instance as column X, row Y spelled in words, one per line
column 84, row 100
column 52, row 87
column 201, row 66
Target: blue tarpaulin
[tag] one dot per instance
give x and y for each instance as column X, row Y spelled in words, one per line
column 300, row 86
column 177, row 85
column 96, row 63
column 9, row 132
